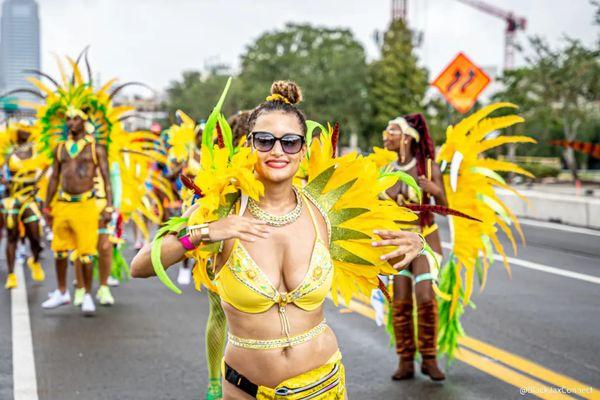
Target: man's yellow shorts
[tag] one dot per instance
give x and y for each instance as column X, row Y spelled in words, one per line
column 75, row 227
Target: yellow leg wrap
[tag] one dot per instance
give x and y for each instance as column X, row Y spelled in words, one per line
column 86, row 259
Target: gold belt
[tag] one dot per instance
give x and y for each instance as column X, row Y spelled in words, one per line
column 257, row 344
column 75, row 198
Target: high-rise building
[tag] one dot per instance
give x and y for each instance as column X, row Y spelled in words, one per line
column 19, row 43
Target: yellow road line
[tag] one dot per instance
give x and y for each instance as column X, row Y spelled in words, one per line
column 525, row 384
column 504, row 373
column 531, row 368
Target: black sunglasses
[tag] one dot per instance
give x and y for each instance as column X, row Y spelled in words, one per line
column 265, row 141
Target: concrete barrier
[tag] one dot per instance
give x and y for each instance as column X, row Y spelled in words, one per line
column 571, row 210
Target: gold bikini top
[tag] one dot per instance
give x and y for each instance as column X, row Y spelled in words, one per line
column 243, row 284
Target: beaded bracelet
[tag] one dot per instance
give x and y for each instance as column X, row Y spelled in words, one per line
column 423, row 243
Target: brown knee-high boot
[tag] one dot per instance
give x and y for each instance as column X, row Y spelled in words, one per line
column 402, row 319
column 427, row 332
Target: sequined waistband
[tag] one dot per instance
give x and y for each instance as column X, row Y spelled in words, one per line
column 76, row 198
column 257, row 344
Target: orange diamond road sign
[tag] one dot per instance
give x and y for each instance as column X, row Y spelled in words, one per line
column 461, row 82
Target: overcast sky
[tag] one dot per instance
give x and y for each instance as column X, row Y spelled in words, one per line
column 153, row 41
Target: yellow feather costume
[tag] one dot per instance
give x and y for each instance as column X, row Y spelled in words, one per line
column 25, row 173
column 130, row 154
column 345, row 189
column 470, row 188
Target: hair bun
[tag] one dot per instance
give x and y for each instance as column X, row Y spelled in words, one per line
column 288, row 89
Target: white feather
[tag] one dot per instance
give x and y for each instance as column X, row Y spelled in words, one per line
column 454, row 168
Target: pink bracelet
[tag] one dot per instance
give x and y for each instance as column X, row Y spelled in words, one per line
column 187, row 243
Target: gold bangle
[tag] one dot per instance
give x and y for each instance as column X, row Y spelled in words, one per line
column 205, row 234
column 199, row 233
column 109, row 209
column 423, row 242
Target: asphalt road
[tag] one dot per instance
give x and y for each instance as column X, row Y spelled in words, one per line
column 150, row 344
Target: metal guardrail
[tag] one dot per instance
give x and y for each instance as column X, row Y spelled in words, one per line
column 548, row 161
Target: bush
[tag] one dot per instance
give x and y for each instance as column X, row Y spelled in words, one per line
column 540, row 171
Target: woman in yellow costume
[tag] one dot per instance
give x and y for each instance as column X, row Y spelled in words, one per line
column 409, row 138
column 476, row 216
column 279, row 250
column 20, row 211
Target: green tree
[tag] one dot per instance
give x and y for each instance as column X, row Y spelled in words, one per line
column 328, row 64
column 558, row 89
column 196, row 94
column 397, row 83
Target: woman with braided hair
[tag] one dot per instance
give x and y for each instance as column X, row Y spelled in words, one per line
column 409, row 137
column 277, row 248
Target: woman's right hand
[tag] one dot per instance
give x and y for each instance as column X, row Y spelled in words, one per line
column 238, row 227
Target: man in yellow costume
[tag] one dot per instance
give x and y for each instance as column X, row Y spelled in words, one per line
column 74, row 215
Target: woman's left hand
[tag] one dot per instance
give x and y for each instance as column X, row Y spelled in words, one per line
column 409, row 245
column 428, row 186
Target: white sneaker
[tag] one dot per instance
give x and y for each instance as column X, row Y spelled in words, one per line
column 185, row 276
column 112, row 282
column 88, row 307
column 57, row 299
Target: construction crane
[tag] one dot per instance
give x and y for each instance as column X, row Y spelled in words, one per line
column 513, row 24
column 399, row 10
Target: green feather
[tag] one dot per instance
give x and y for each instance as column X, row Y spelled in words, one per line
column 488, row 173
column 328, row 199
column 338, row 233
column 408, row 180
column 310, row 127
column 172, row 225
column 315, row 187
column 341, row 254
column 341, row 216
column 211, row 122
column 227, row 134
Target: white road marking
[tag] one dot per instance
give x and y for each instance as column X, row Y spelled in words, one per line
column 544, row 268
column 559, row 227
column 24, row 376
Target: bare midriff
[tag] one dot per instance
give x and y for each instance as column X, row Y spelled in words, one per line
column 271, row 367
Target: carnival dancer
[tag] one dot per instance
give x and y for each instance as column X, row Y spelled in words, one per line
column 181, row 152
column 283, row 248
column 216, row 326
column 74, row 216
column 184, row 140
column 82, row 132
column 408, row 136
column 20, row 211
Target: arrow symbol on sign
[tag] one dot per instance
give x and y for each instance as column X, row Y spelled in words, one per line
column 469, row 81
column 453, row 82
